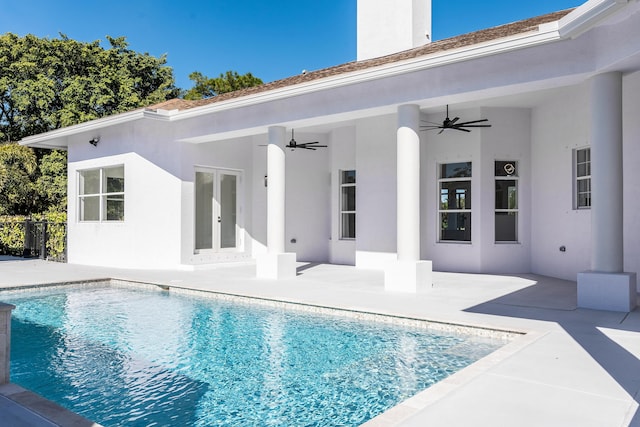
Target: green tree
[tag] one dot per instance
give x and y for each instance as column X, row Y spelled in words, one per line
column 206, row 87
column 51, row 185
column 47, row 83
column 18, row 166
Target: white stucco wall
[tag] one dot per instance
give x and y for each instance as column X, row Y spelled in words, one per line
column 150, row 234
column 258, row 229
column 343, row 157
column 559, row 126
column 308, row 202
column 376, row 191
column 509, row 138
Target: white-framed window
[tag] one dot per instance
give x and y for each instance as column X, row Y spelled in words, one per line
column 454, row 207
column 506, row 201
column 582, row 187
column 348, row 204
column 101, row 194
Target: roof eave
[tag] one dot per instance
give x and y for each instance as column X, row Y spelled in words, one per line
column 57, row 139
column 546, row 33
column 571, row 25
column 585, row 16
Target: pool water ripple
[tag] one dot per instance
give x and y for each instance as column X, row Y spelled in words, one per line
column 140, row 358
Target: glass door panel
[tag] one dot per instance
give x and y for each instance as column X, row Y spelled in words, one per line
column 204, row 210
column 227, row 219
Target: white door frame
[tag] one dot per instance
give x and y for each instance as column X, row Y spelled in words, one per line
column 216, row 210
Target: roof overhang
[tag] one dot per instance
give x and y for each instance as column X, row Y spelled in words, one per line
column 58, row 139
column 571, row 25
column 587, row 15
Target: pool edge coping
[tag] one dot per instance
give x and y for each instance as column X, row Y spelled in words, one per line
column 51, row 412
column 382, row 317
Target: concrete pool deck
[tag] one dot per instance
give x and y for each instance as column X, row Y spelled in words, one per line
column 574, row 367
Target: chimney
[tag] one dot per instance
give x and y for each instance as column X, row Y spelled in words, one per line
column 389, row 26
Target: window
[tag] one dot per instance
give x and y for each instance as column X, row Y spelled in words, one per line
column 348, row 204
column 582, row 198
column 506, row 201
column 455, row 202
column 101, row 194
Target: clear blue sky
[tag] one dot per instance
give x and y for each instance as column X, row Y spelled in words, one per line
column 272, row 39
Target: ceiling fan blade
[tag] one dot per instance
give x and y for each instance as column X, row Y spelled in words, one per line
column 430, row 123
column 430, row 127
column 462, row 129
column 306, row 144
column 472, row 121
column 475, row 126
column 441, row 131
column 451, row 122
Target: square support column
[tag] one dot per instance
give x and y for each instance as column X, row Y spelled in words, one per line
column 276, row 266
column 607, row 291
column 408, row 276
column 5, row 341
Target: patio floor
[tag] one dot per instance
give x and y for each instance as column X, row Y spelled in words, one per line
column 574, row 367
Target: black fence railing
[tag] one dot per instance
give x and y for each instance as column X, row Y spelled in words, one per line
column 34, row 239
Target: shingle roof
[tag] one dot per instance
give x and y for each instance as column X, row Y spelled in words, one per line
column 465, row 40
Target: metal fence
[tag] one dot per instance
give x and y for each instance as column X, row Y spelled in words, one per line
column 34, row 239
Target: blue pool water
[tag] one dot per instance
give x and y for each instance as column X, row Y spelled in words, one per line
column 130, row 357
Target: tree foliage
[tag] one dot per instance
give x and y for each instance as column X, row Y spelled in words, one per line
column 51, row 185
column 18, row 166
column 206, row 87
column 47, row 83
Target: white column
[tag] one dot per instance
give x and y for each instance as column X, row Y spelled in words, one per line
column 408, row 273
column 606, row 173
column 276, row 264
column 276, row 189
column 606, row 286
column 408, row 184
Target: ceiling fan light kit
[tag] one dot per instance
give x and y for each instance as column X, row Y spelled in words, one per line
column 454, row 123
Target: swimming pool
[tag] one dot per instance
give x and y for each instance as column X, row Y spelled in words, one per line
column 139, row 357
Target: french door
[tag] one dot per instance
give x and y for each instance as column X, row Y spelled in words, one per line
column 217, row 210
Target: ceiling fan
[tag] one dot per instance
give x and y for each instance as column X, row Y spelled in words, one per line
column 306, row 145
column 453, row 124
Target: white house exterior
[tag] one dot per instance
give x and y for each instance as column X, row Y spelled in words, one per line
column 188, row 184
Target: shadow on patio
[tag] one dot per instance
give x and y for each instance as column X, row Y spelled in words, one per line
column 611, row 339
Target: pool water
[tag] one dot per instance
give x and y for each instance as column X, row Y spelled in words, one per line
column 130, row 357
